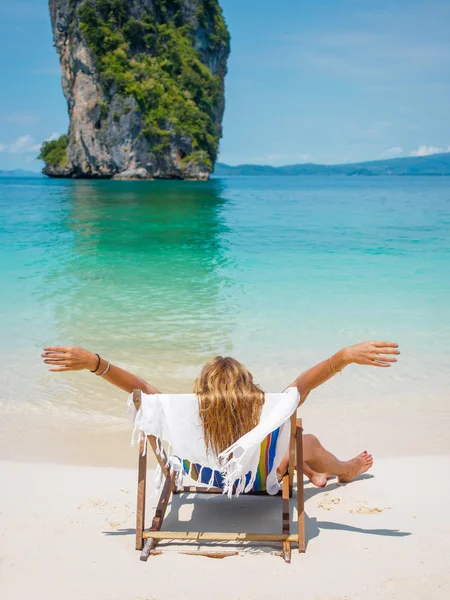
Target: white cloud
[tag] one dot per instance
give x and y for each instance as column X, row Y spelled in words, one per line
column 55, row 135
column 26, row 144
column 23, row 145
column 394, row 151
column 428, row 150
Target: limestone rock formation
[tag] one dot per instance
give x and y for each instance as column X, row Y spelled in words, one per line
column 144, row 83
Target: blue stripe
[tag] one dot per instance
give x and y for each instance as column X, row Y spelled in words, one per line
column 218, row 479
column 273, row 448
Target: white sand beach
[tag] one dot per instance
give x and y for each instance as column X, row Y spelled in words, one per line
column 68, row 531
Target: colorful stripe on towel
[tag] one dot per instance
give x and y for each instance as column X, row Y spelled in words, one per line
column 266, row 459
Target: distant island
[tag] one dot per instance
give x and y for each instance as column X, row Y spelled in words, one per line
column 19, row 173
column 435, row 164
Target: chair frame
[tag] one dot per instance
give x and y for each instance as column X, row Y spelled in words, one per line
column 146, row 541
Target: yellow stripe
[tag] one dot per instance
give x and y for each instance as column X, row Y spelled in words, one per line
column 262, row 467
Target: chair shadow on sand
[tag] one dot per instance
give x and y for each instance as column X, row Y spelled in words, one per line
column 256, row 514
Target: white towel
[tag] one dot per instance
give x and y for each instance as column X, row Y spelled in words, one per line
column 175, row 419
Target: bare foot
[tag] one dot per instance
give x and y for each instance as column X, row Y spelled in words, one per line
column 356, row 466
column 319, row 479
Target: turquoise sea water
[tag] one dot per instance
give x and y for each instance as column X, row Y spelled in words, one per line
column 279, row 272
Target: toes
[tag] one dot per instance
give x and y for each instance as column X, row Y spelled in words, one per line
column 367, row 458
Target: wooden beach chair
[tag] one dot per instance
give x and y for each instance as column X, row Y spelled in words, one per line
column 146, row 540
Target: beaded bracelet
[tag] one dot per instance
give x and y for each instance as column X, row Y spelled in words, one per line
column 98, row 363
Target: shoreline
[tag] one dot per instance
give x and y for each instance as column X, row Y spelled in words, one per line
column 387, row 427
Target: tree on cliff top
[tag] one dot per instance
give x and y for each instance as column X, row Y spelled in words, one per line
column 54, row 152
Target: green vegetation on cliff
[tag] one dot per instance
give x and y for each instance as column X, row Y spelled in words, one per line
column 154, row 61
column 54, row 152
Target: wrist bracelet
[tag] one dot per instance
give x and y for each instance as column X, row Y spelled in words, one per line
column 98, row 363
column 105, row 371
column 333, row 369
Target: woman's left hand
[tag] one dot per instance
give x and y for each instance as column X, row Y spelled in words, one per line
column 375, row 354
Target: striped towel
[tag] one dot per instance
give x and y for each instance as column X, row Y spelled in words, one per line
column 265, row 465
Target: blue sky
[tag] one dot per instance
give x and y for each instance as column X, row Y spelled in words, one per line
column 309, row 80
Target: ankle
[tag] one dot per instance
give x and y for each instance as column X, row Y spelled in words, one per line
column 344, row 468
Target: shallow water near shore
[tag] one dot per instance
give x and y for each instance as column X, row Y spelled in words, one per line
column 279, row 272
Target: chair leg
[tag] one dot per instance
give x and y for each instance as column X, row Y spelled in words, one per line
column 286, row 552
column 300, row 490
column 142, row 480
column 291, row 466
column 160, row 513
column 147, row 549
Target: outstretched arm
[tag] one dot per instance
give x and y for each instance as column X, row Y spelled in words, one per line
column 375, row 354
column 72, row 358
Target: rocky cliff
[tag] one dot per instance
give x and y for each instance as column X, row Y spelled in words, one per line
column 144, row 83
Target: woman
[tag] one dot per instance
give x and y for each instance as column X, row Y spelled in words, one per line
column 230, row 402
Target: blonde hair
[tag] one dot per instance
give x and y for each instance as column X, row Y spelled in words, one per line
column 230, row 403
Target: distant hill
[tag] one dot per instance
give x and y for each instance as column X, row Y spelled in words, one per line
column 20, row 173
column 435, row 164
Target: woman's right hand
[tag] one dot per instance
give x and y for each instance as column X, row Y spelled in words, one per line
column 69, row 358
